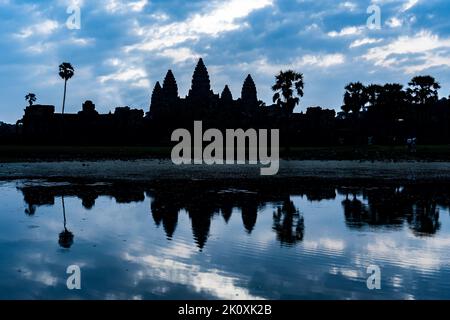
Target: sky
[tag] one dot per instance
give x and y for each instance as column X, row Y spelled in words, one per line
column 122, row 48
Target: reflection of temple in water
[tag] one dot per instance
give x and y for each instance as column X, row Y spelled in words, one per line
column 363, row 207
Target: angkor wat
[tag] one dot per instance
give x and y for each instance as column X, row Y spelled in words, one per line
column 167, row 111
column 376, row 114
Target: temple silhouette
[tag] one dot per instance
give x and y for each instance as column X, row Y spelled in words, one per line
column 388, row 114
column 167, row 111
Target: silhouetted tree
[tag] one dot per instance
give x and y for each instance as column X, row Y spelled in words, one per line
column 288, row 90
column 423, row 90
column 31, row 98
column 66, row 72
column 355, row 97
column 373, row 93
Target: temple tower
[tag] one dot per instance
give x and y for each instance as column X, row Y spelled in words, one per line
column 249, row 96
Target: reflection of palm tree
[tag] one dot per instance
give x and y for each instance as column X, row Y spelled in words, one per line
column 31, row 210
column 355, row 212
column 65, row 237
column 289, row 224
column 425, row 219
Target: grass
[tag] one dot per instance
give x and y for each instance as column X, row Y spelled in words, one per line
column 59, row 153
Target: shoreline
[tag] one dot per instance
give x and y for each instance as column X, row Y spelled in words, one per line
column 151, row 170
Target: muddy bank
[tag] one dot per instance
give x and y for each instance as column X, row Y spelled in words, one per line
column 157, row 170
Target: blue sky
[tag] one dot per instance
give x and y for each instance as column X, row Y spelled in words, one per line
column 124, row 47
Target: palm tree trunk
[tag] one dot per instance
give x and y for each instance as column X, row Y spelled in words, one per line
column 62, row 114
column 64, row 98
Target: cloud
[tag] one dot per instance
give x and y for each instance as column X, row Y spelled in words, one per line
column 347, row 31
column 121, row 6
column 44, row 28
column 352, row 6
column 126, row 71
column 394, row 22
column 221, row 17
column 412, row 53
column 322, row 61
column 179, row 55
column 363, row 42
column 319, row 61
column 409, row 5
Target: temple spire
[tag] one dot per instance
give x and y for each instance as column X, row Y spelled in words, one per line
column 156, row 100
column 226, row 95
column 249, row 95
column 170, row 87
column 201, row 85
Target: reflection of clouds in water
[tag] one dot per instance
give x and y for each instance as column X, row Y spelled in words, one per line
column 397, row 281
column 42, row 277
column 337, row 246
column 424, row 259
column 331, row 261
column 213, row 281
column 346, row 272
column 179, row 250
column 114, row 297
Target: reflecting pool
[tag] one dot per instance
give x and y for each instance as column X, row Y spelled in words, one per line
column 197, row 241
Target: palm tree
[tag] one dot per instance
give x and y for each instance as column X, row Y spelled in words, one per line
column 31, row 98
column 355, row 97
column 423, row 90
column 288, row 90
column 373, row 93
column 66, row 71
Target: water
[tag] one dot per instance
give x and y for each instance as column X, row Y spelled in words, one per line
column 196, row 241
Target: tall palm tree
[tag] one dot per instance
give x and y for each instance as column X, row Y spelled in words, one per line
column 288, row 90
column 66, row 72
column 31, row 98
